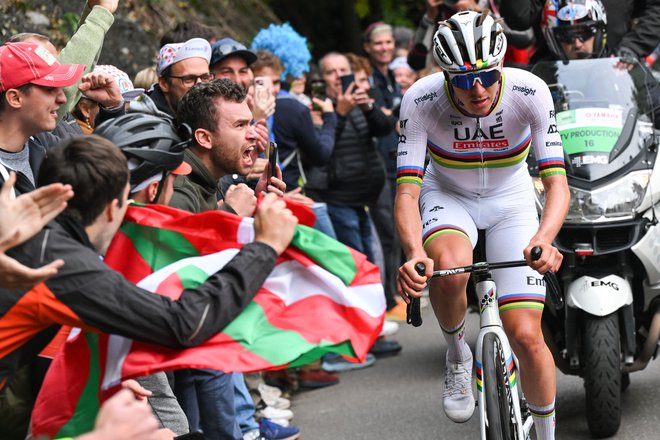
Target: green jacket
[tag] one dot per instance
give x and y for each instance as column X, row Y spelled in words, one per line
column 84, row 47
column 196, row 192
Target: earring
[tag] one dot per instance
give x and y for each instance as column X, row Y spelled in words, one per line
column 88, row 122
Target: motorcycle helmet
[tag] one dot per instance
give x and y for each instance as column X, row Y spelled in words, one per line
column 565, row 20
column 469, row 41
column 152, row 145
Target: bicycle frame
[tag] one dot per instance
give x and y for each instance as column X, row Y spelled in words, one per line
column 490, row 322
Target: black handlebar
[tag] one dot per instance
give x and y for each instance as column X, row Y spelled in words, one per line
column 414, row 315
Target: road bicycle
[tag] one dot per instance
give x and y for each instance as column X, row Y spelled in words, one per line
column 503, row 412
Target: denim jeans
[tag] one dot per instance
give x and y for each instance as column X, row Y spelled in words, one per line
column 207, row 398
column 353, row 227
column 243, row 404
column 323, row 222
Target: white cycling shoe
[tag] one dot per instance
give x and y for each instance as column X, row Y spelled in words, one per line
column 457, row 397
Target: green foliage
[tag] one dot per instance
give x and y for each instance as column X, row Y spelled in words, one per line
column 68, row 24
column 362, row 8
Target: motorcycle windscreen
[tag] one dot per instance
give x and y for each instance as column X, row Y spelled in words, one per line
column 597, row 108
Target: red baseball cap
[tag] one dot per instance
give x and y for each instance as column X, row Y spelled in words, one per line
column 182, row 170
column 29, row 63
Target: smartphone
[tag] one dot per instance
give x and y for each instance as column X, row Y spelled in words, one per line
column 317, row 90
column 271, row 154
column 263, row 89
column 346, row 81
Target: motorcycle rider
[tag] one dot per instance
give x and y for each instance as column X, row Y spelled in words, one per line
column 477, row 120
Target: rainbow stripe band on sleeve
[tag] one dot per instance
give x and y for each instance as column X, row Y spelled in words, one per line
column 551, row 166
column 442, row 230
column 410, row 174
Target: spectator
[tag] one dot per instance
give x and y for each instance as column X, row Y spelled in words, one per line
column 98, row 174
column 146, row 78
column 231, row 60
column 82, row 118
column 31, row 82
column 85, row 45
column 404, row 75
column 154, row 152
column 224, row 143
column 22, row 217
column 180, row 66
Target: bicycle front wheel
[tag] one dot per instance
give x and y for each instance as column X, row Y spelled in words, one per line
column 500, row 419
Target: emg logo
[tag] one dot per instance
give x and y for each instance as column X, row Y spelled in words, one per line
column 599, row 283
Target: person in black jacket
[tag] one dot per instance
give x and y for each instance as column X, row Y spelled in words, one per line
column 356, row 172
column 623, row 39
column 86, row 293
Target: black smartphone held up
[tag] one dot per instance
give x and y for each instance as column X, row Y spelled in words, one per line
column 346, row 81
column 317, row 90
column 272, row 160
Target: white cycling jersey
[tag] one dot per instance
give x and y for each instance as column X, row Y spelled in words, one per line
column 477, row 155
column 477, row 177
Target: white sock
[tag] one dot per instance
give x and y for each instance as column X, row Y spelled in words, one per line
column 544, row 420
column 458, row 349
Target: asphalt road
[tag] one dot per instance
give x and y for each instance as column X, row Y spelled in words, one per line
column 400, row 398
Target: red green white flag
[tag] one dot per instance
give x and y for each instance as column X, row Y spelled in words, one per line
column 322, row 296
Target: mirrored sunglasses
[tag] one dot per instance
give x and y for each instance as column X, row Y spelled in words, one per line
column 466, row 81
column 569, row 34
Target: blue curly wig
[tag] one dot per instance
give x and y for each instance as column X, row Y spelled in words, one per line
column 289, row 46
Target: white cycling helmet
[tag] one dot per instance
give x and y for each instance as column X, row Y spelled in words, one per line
column 469, row 41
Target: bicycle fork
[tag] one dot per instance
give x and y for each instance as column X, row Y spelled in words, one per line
column 490, row 322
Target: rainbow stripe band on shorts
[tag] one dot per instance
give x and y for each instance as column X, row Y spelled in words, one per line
column 442, row 230
column 521, row 301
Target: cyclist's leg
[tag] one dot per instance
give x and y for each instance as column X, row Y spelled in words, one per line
column 521, row 294
column 447, row 233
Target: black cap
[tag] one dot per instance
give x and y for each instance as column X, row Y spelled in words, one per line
column 226, row 47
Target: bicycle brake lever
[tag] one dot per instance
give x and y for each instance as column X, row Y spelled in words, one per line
column 552, row 285
column 413, row 310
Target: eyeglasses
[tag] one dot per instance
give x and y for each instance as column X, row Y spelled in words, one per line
column 466, row 81
column 191, row 80
column 569, row 34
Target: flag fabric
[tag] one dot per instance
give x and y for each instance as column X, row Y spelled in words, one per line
column 321, row 297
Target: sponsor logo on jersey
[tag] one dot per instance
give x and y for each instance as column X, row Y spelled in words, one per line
column 403, row 123
column 524, row 90
column 552, row 129
column 436, row 208
column 486, row 144
column 402, row 138
column 494, row 132
column 426, row 97
column 402, row 153
column 552, row 114
column 553, row 144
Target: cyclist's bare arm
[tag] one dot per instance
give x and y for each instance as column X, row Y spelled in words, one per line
column 554, row 212
column 409, row 227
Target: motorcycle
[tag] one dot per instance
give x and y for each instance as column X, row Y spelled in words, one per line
column 610, row 240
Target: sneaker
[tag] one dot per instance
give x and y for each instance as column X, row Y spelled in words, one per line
column 253, row 435
column 385, row 347
column 457, row 397
column 268, row 412
column 277, row 402
column 281, row 422
column 317, row 379
column 389, row 328
column 398, row 312
column 268, row 391
column 334, row 363
column 273, row 431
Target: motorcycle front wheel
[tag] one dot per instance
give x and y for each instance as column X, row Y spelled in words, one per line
column 602, row 374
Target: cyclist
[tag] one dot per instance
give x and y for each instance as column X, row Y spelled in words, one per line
column 478, row 122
